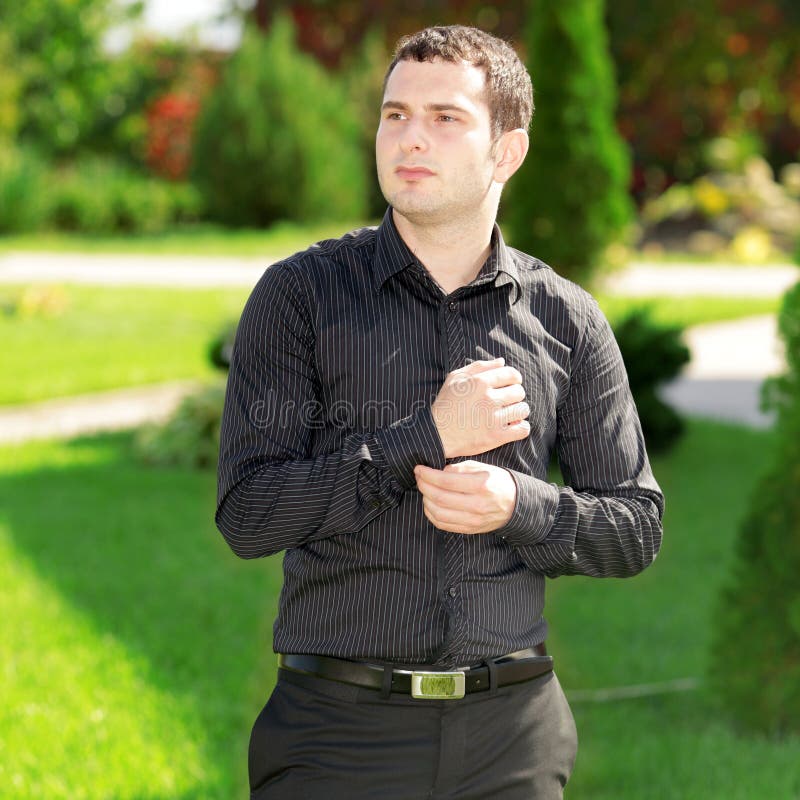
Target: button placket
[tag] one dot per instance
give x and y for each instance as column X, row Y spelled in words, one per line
column 455, row 346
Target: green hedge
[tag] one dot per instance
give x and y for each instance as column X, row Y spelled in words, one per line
column 99, row 196
column 92, row 195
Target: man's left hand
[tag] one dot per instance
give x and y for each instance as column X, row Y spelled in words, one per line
column 467, row 497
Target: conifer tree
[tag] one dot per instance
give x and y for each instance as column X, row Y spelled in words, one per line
column 570, row 198
column 278, row 138
column 755, row 660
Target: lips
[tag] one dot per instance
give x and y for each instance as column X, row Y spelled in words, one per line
column 413, row 173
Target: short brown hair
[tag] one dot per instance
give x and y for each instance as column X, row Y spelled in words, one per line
column 509, row 92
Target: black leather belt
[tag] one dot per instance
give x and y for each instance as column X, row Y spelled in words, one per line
column 424, row 682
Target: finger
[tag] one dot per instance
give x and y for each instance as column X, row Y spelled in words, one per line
column 517, row 431
column 454, row 518
column 501, row 376
column 480, row 366
column 451, row 497
column 466, row 482
column 512, row 414
column 507, row 395
column 452, row 501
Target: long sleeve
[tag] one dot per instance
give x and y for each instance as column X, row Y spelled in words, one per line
column 607, row 519
column 272, row 494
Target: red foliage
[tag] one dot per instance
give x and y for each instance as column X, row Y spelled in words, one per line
column 170, row 126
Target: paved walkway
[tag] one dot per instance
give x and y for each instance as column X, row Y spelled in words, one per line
column 729, row 360
column 644, row 278
column 133, row 270
column 729, row 363
column 640, row 278
column 91, row 413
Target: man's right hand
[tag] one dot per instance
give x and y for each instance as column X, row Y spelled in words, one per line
column 480, row 407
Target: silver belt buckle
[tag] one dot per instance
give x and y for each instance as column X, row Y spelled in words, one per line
column 437, row 685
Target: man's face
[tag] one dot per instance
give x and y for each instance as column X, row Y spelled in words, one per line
column 434, row 143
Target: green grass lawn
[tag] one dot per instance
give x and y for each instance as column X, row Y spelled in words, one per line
column 657, row 627
column 137, row 648
column 280, row 239
column 110, row 337
column 687, row 311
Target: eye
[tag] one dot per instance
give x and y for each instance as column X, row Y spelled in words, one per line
column 394, row 115
column 446, row 118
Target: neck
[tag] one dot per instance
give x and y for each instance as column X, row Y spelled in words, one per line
column 451, row 251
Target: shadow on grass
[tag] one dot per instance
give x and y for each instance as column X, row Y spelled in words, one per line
column 136, row 551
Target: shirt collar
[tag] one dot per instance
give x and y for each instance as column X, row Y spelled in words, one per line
column 392, row 255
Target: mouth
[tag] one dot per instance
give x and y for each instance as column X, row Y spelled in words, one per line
column 412, row 173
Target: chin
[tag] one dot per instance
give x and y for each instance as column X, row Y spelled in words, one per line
column 412, row 207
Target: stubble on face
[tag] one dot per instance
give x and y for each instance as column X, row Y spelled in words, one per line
column 462, row 163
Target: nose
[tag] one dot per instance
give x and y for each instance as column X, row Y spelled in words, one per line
column 413, row 138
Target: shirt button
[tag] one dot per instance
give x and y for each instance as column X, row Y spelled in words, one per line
column 452, row 591
column 452, row 305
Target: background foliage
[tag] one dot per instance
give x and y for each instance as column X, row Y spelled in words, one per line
column 68, row 90
column 277, row 139
column 762, row 597
column 687, row 72
column 569, row 200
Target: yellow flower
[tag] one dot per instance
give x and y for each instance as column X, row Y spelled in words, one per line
column 710, row 199
column 751, row 244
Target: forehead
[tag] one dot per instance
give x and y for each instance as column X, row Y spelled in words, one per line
column 440, row 82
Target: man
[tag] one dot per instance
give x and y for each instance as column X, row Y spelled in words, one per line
column 393, row 401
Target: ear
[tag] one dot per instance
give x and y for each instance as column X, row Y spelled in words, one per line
column 510, row 152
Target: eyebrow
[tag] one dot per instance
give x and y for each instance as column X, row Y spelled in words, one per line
column 428, row 107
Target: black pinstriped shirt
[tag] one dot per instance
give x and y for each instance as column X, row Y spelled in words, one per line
column 339, row 354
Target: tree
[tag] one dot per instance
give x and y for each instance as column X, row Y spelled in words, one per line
column 277, row 138
column 569, row 199
column 755, row 660
column 9, row 91
column 66, row 83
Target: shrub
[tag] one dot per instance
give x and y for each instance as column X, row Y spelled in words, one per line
column 277, row 139
column 190, row 437
column 221, row 347
column 24, row 199
column 755, row 658
column 569, row 200
column 97, row 195
column 653, row 354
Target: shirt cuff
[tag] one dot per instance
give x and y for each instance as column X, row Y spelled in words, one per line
column 410, row 441
column 534, row 512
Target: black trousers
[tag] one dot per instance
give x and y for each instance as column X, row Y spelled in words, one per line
column 317, row 739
